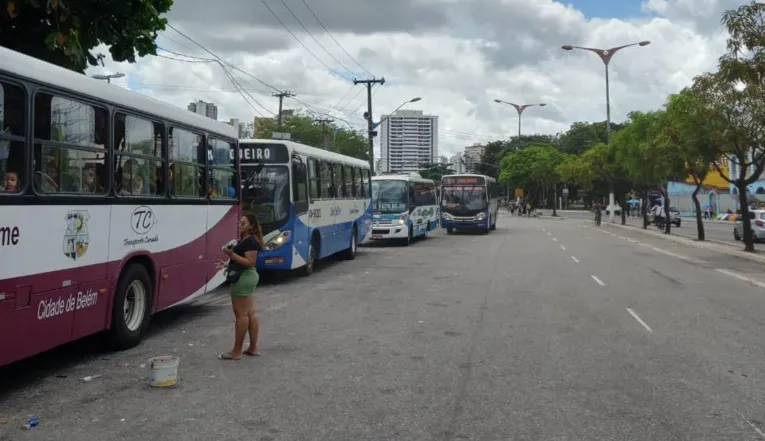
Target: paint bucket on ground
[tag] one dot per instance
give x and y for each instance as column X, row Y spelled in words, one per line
column 164, row 371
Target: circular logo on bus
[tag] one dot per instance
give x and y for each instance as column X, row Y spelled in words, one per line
column 142, row 220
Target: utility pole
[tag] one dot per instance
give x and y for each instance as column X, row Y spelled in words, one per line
column 324, row 123
column 281, row 96
column 368, row 115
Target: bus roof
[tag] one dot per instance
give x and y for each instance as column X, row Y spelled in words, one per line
column 402, row 178
column 469, row 174
column 26, row 67
column 311, row 151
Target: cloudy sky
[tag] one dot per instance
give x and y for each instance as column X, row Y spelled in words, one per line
column 458, row 55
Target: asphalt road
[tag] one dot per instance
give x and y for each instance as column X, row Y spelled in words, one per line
column 718, row 231
column 543, row 330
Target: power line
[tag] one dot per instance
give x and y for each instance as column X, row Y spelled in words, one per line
column 310, row 34
column 295, row 36
column 335, row 40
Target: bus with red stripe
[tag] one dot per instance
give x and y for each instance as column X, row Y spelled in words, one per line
column 113, row 206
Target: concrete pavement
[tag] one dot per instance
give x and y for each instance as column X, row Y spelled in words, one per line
column 714, row 230
column 543, row 330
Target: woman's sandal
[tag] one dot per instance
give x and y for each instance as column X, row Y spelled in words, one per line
column 252, row 353
column 228, row 357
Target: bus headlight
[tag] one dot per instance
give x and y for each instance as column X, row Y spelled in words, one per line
column 447, row 216
column 480, row 216
column 277, row 241
column 403, row 219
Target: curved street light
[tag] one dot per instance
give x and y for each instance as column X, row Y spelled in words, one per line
column 606, row 55
column 108, row 77
column 519, row 108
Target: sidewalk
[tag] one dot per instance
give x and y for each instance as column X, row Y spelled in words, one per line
column 730, row 250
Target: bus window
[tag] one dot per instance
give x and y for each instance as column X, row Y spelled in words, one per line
column 326, row 180
column 358, row 182
column 348, row 181
column 336, row 182
column 314, row 187
column 13, row 171
column 187, row 164
column 367, row 183
column 351, row 181
column 139, row 164
column 70, row 146
column 299, row 183
column 222, row 172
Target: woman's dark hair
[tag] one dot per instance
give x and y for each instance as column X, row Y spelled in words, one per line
column 255, row 229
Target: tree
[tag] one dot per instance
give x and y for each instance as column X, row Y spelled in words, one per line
column 607, row 171
column 687, row 134
column 647, row 164
column 435, row 171
column 732, row 102
column 584, row 135
column 533, row 169
column 491, row 157
column 65, row 32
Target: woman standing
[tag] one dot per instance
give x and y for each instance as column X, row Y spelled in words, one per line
column 244, row 277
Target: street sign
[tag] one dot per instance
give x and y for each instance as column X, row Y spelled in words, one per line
column 565, row 191
column 519, row 192
column 280, row 135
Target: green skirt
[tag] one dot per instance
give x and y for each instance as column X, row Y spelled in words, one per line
column 245, row 286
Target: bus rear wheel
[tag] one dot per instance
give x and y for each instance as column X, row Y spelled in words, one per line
column 350, row 253
column 132, row 307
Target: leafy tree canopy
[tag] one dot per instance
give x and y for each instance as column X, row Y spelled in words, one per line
column 64, row 32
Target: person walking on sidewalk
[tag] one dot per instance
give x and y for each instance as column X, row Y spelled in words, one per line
column 244, row 279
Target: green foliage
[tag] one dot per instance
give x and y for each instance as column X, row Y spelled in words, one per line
column 65, row 32
column 305, row 130
column 435, row 171
column 533, row 167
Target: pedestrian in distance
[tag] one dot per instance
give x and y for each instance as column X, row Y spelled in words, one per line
column 244, row 278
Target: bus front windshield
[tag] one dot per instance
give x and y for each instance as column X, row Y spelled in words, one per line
column 266, row 192
column 466, row 200
column 390, row 197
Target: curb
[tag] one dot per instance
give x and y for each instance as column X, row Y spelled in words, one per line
column 685, row 240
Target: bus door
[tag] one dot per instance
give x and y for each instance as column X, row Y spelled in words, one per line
column 300, row 231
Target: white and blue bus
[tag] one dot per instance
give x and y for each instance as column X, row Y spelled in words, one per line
column 311, row 203
column 405, row 207
column 469, row 201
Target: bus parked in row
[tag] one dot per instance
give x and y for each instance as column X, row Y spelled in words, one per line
column 405, row 207
column 469, row 201
column 113, row 206
column 311, row 203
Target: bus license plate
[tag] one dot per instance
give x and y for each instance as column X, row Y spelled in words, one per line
column 377, row 236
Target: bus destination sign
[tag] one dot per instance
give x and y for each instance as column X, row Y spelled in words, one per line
column 263, row 153
column 462, row 180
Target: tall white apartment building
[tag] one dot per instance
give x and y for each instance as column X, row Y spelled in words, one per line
column 473, row 156
column 457, row 164
column 408, row 138
column 209, row 110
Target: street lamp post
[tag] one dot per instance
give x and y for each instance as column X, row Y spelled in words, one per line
column 606, row 55
column 375, row 125
column 108, row 77
column 519, row 108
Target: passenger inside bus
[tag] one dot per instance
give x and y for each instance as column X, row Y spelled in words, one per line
column 11, row 182
column 90, row 181
column 12, row 111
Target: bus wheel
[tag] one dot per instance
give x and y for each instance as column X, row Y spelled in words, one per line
column 132, row 307
column 450, row 231
column 350, row 253
column 409, row 238
column 313, row 254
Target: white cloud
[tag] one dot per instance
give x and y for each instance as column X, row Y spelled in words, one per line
column 510, row 50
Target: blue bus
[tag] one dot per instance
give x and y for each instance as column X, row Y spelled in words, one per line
column 311, row 203
column 405, row 207
column 469, row 201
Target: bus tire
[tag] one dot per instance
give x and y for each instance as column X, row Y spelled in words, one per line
column 450, row 231
column 313, row 256
column 132, row 306
column 409, row 237
column 350, row 253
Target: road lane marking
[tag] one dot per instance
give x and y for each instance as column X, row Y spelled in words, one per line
column 595, row 278
column 639, row 320
column 748, row 421
column 678, row 256
column 549, row 234
column 555, row 240
column 543, row 229
column 574, row 259
column 563, row 248
column 741, row 277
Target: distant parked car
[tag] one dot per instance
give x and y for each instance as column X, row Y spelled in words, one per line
column 674, row 216
column 758, row 226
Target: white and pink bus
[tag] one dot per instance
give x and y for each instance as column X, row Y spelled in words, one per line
column 113, row 206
